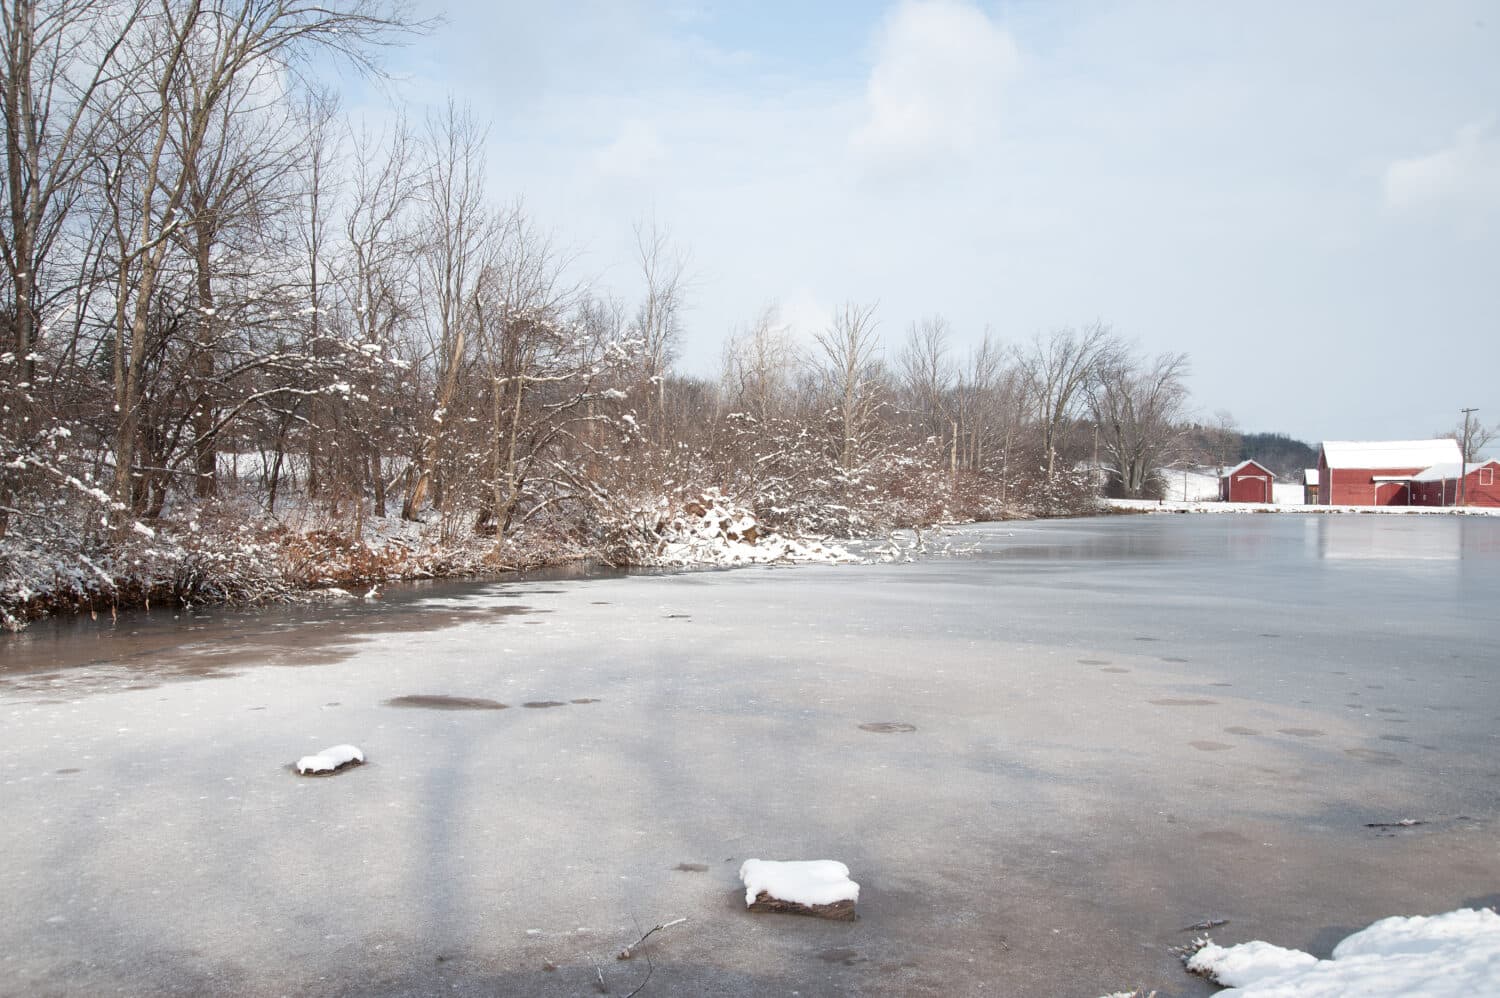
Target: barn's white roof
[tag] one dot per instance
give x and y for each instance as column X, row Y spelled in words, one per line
column 1446, row 471
column 1391, row 453
column 1310, row 476
column 1231, row 472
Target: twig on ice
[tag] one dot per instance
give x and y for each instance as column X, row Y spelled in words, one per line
column 629, row 951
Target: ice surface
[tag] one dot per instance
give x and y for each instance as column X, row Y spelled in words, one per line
column 329, row 759
column 1453, row 955
column 809, row 881
column 733, row 730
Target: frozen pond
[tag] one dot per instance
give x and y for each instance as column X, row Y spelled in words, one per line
column 1041, row 761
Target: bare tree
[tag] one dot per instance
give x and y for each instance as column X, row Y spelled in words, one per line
column 378, row 288
column 1057, row 370
column 1137, row 405
column 195, row 55
column 65, row 63
column 462, row 236
column 1472, row 436
column 760, row 367
column 927, row 377
column 658, row 321
column 854, row 381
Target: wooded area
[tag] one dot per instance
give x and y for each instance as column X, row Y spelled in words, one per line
column 224, row 303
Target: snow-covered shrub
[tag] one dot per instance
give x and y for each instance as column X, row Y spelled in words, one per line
column 707, row 529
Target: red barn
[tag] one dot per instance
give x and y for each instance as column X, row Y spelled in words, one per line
column 1377, row 472
column 1438, row 485
column 1248, row 481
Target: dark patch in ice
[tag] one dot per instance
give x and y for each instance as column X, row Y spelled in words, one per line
column 679, row 616
column 1147, row 639
column 847, row 957
column 1241, row 730
column 584, row 700
column 65, row 772
column 1395, row 720
column 1394, row 738
column 1208, row 746
column 255, row 708
column 1373, row 686
column 600, row 602
column 435, row 701
column 1373, row 756
column 1184, row 702
column 1302, row 732
column 1113, row 668
column 1269, row 634
column 1387, row 710
column 1223, row 835
column 888, row 727
column 692, row 867
column 1174, row 658
column 1221, row 684
column 333, row 703
column 538, row 704
column 1093, row 661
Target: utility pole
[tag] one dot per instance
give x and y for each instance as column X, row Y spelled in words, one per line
column 1463, row 454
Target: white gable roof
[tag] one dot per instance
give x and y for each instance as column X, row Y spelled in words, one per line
column 1231, row 472
column 1447, row 471
column 1391, row 453
column 1310, row 476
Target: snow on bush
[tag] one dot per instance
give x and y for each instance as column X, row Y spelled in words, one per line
column 809, row 882
column 1453, row 955
column 709, row 530
column 330, row 760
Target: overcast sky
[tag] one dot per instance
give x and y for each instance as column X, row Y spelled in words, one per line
column 1304, row 197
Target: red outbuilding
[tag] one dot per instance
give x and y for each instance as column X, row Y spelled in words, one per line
column 1378, row 472
column 1439, row 485
column 1248, row 481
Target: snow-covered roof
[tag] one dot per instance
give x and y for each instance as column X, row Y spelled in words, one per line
column 1230, row 472
column 1310, row 476
column 1447, row 470
column 1390, row 453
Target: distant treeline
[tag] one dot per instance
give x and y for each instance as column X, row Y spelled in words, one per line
column 1285, row 457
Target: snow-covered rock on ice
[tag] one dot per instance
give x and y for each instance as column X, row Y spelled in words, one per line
column 807, row 887
column 330, row 760
column 1433, row 956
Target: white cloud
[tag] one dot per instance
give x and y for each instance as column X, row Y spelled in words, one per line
column 934, row 91
column 634, row 154
column 1463, row 178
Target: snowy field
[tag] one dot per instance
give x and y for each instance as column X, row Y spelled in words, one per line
column 1041, row 763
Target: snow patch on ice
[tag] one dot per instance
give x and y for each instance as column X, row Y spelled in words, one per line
column 1434, row 956
column 811, row 881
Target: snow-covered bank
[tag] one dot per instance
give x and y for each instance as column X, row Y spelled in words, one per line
column 234, row 553
column 1170, row 506
column 1453, row 955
